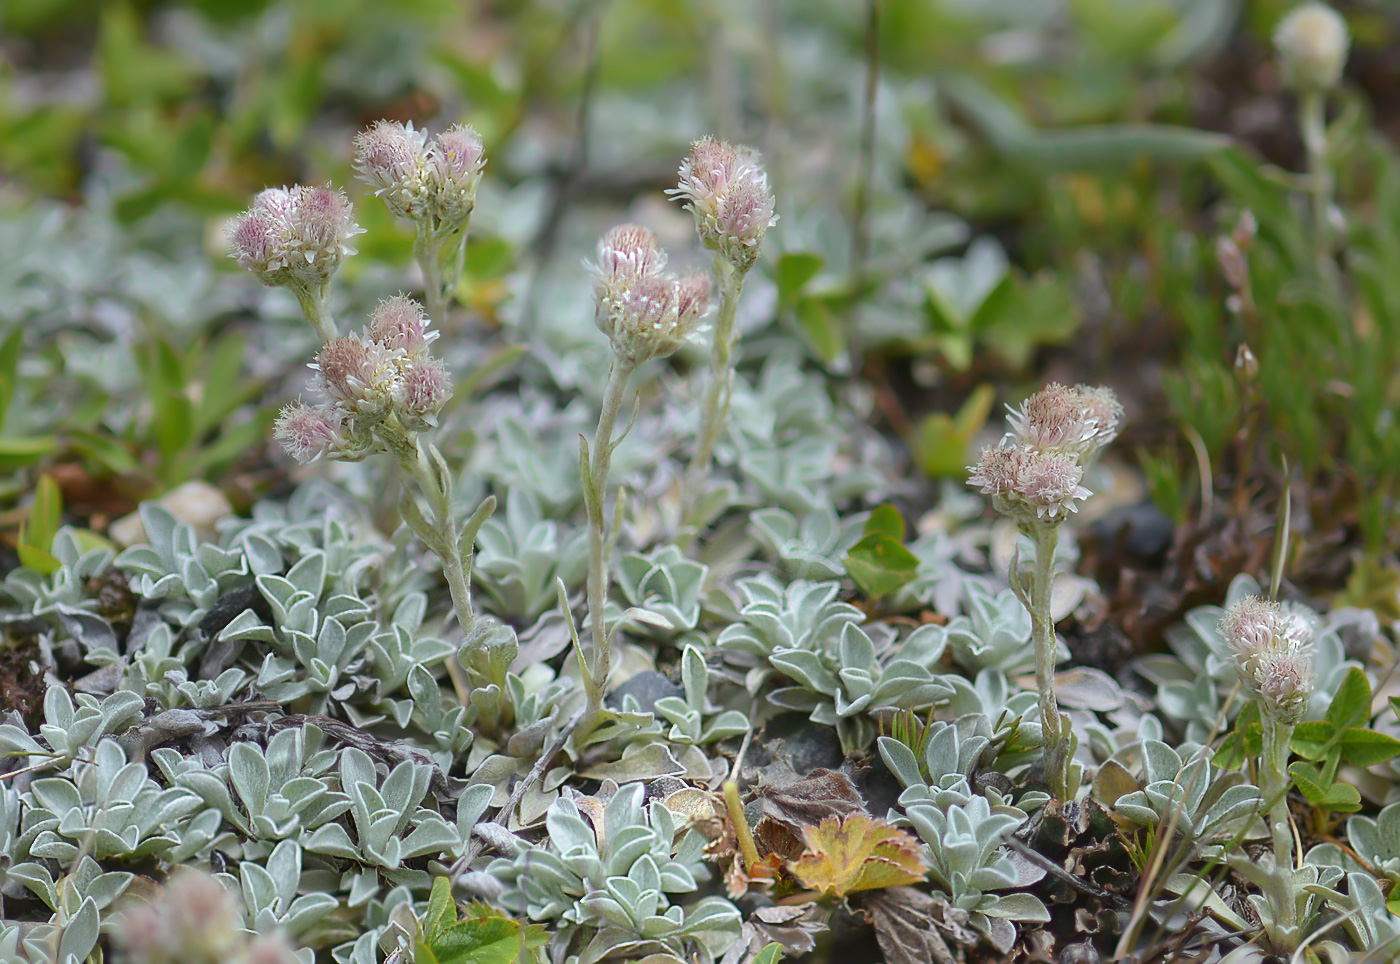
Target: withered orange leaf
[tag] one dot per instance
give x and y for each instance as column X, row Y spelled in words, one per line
column 858, row 852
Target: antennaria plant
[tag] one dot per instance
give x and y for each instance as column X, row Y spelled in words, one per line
column 1033, row 476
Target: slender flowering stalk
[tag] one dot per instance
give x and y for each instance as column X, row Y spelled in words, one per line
column 296, row 238
column 380, row 389
column 646, row 313
column 1312, row 44
column 1034, row 476
column 726, row 189
column 1271, row 646
column 432, row 183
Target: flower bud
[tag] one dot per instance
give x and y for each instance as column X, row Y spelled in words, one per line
column 321, row 225
column 1079, row 420
column 393, row 158
column 1232, row 263
column 1027, row 483
column 726, row 188
column 1271, row 648
column 296, row 236
column 644, row 312
column 425, row 387
column 399, row 324
column 355, row 373
column 626, row 252
column 308, row 433
column 1312, row 43
column 456, row 159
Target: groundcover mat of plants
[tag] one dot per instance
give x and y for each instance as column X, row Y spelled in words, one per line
column 699, row 483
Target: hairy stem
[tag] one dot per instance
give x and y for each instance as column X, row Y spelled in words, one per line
column 1273, row 781
column 427, row 250
column 314, row 307
column 436, row 489
column 715, row 410
column 595, row 500
column 1056, row 728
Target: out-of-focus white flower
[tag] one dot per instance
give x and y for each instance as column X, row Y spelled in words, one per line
column 1312, row 43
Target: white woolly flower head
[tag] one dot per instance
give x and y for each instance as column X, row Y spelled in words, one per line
column 1271, row 645
column 645, row 311
column 1027, row 483
column 430, row 181
column 726, row 188
column 1080, row 420
column 294, row 236
column 1312, row 42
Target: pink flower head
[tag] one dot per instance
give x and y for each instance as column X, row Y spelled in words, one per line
column 399, row 324
column 348, row 366
column 425, row 387
column 457, row 155
column 1250, row 626
column 627, row 252
column 745, row 211
column 1285, row 681
column 1052, row 418
column 307, row 433
column 294, row 237
column 1102, row 410
column 1079, row 420
column 322, row 224
column 726, row 188
column 254, row 240
column 692, row 298
column 388, row 153
column 708, row 169
column 998, row 469
column 1050, row 482
column 1271, row 645
column 275, row 202
column 650, row 316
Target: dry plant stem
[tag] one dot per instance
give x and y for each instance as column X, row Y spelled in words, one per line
column 313, row 305
column 595, row 498
column 1273, row 781
column 1056, row 728
column 715, row 409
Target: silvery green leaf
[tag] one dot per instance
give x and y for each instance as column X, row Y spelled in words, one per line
column 332, row 839
column 80, row 934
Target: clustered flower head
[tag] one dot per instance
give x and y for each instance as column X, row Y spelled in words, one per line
column 645, row 311
column 1312, row 43
column 1271, row 645
column 194, row 922
column 294, row 236
column 726, row 188
column 433, row 182
column 1035, row 472
column 382, row 379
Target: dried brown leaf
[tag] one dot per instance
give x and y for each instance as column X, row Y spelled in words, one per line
column 905, row 926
